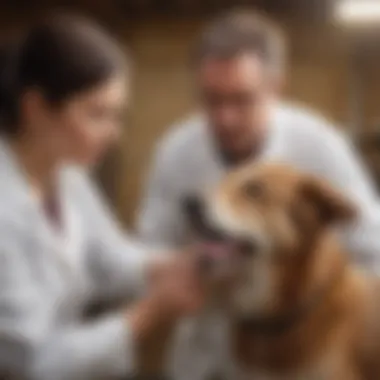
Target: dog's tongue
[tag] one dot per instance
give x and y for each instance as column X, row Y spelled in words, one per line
column 217, row 258
column 216, row 250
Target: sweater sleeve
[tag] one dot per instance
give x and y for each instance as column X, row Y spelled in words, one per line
column 33, row 346
column 335, row 159
column 159, row 221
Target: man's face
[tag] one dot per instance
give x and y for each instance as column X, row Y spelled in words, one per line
column 235, row 93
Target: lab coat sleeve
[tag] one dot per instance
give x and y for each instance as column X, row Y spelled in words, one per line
column 160, row 221
column 117, row 261
column 32, row 347
column 337, row 161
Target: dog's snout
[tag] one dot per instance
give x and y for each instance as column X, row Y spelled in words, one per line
column 194, row 209
column 193, row 205
column 248, row 248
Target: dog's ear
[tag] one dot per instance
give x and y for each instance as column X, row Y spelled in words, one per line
column 329, row 205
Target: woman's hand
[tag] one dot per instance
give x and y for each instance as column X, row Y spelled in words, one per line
column 177, row 290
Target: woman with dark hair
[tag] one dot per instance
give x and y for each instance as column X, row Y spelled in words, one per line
column 62, row 92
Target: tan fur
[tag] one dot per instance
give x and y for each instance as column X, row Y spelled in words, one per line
column 293, row 216
column 339, row 337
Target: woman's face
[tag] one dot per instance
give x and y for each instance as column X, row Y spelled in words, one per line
column 83, row 128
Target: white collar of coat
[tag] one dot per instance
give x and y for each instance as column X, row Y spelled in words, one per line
column 14, row 187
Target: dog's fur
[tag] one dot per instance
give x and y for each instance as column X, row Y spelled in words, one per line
column 299, row 310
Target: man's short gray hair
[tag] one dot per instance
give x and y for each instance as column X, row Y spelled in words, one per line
column 243, row 31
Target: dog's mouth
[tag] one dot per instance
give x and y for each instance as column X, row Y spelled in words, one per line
column 215, row 244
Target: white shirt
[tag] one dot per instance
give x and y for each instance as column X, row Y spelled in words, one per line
column 47, row 277
column 187, row 161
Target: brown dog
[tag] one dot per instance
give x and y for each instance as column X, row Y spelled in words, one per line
column 299, row 310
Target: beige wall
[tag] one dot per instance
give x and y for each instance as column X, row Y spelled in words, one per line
column 162, row 94
column 163, row 89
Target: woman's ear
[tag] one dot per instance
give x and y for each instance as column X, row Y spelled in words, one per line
column 33, row 105
column 329, row 204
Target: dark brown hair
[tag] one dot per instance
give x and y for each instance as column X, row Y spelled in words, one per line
column 242, row 31
column 61, row 55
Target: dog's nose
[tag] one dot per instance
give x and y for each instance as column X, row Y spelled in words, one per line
column 193, row 206
column 248, row 248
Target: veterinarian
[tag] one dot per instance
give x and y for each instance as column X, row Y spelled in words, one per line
column 240, row 69
column 62, row 93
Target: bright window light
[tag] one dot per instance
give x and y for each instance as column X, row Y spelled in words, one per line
column 357, row 11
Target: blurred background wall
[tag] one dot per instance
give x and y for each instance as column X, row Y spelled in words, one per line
column 331, row 69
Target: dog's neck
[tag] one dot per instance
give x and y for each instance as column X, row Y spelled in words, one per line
column 316, row 309
column 283, row 322
column 304, row 289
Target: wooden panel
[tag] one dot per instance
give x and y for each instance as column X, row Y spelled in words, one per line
column 323, row 87
column 371, row 93
column 162, row 94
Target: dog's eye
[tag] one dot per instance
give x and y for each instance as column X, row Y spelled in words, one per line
column 253, row 190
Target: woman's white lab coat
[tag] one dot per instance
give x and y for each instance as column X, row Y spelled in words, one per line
column 46, row 276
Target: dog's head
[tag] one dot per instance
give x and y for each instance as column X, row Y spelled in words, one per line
column 271, row 218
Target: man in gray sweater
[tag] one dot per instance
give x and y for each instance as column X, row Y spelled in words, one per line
column 240, row 69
